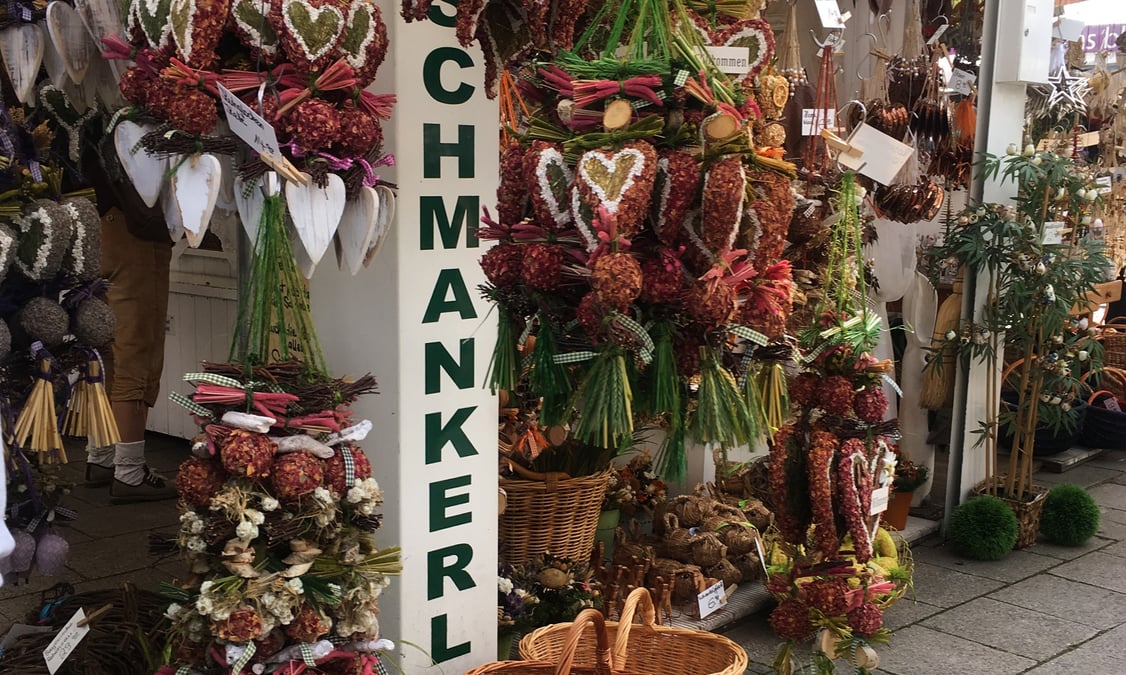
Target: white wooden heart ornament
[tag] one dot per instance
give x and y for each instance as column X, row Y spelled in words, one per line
column 22, row 47
column 383, row 222
column 250, row 201
column 195, row 187
column 53, row 64
column 145, row 170
column 357, row 228
column 305, row 264
column 316, row 212
column 71, row 38
column 104, row 79
column 172, row 216
column 101, row 17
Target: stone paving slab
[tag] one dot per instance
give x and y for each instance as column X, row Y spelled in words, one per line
column 919, row 650
column 1042, row 547
column 1103, row 655
column 1098, row 569
column 111, row 555
column 1085, row 475
column 1110, row 495
column 1118, row 549
column 1067, row 599
column 1012, row 629
column 945, row 587
column 1112, row 524
column 109, row 521
column 1015, row 566
column 1113, row 460
column 907, row 612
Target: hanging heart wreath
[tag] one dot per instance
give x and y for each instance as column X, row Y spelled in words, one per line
column 363, row 44
column 503, row 36
column 548, row 180
column 310, row 30
column 621, row 181
column 197, row 27
column 674, row 190
column 755, row 35
column 150, row 21
column 251, row 22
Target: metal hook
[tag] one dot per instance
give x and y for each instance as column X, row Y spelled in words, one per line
column 867, row 56
column 831, row 39
column 844, row 146
column 863, row 116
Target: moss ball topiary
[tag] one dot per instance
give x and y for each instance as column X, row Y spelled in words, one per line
column 983, row 528
column 1070, row 515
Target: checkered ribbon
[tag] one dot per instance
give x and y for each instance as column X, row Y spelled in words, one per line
column 307, row 654
column 681, row 77
column 646, row 351
column 639, row 103
column 191, row 406
column 244, row 658
column 183, row 670
column 349, row 466
column 380, row 669
column 750, row 335
column 887, row 378
column 211, row 378
column 574, row 357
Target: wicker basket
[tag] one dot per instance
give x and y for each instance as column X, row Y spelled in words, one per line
column 1105, row 428
column 556, row 515
column 645, row 647
column 564, row 662
column 1113, row 337
column 1027, row 512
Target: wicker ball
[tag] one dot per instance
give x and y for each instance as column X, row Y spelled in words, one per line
column 94, row 323
column 5, row 339
column 44, row 320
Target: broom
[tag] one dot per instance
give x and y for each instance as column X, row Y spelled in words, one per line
column 938, row 380
column 37, row 426
column 88, row 413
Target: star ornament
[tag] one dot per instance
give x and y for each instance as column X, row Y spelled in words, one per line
column 1068, row 92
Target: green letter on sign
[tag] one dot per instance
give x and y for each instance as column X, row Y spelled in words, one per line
column 432, row 75
column 437, row 435
column 433, row 216
column 441, row 501
column 433, row 150
column 436, row 359
column 449, row 280
column 439, row 17
column 437, row 570
column 439, row 633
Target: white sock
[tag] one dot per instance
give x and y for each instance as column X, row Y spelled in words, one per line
column 100, row 456
column 129, row 462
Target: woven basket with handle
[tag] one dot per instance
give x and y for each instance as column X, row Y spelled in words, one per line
column 550, row 513
column 644, row 647
column 565, row 662
column 1113, row 336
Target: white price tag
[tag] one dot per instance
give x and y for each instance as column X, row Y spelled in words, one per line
column 1112, row 404
column 880, row 497
column 961, row 82
column 1070, row 30
column 731, row 60
column 64, row 643
column 876, row 155
column 761, row 557
column 1088, row 139
column 825, row 119
column 830, row 13
column 712, row 600
column 1105, row 184
column 1053, row 232
column 249, row 125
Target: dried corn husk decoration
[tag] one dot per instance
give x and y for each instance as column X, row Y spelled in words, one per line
column 37, row 426
column 88, row 412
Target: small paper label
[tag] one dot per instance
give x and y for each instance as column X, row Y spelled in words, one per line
column 1105, row 183
column 1112, row 404
column 249, row 125
column 880, row 497
column 761, row 557
column 731, row 60
column 1088, row 139
column 875, row 154
column 938, row 33
column 1053, row 232
column 814, row 120
column 830, row 13
column 961, row 82
column 64, row 643
column 1070, row 30
column 711, row 600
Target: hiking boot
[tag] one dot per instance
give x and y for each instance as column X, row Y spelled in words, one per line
column 98, row 475
column 153, row 487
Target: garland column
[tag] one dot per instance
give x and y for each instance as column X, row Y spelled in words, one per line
column 416, row 321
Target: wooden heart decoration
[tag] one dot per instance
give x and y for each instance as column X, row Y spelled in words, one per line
column 102, row 18
column 53, row 64
column 22, row 48
column 70, row 38
column 316, row 212
column 309, row 30
column 195, row 187
column 364, row 41
column 197, row 26
column 152, row 20
column 620, row 181
column 255, row 29
column 146, row 171
column 101, row 83
column 549, row 184
column 358, row 226
column 249, row 200
column 502, row 33
column 172, row 219
column 305, row 264
column 382, row 222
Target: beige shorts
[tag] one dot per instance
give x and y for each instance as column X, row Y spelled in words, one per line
column 137, row 271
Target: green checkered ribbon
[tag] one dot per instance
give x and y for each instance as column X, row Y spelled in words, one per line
column 307, row 654
column 349, row 466
column 681, row 77
column 224, row 381
column 191, row 406
column 750, row 334
column 646, row 351
column 574, row 357
column 183, row 670
column 244, row 658
column 639, row 103
column 810, row 357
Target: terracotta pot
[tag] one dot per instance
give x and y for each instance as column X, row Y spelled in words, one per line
column 898, row 506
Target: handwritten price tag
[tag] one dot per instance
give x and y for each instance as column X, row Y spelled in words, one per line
column 64, row 643
column 830, row 13
column 731, row 60
column 814, row 120
column 961, row 82
column 249, row 125
column 1054, row 231
column 880, row 497
column 712, row 600
column 876, row 155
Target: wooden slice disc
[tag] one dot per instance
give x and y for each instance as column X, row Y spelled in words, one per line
column 618, row 114
column 721, row 126
column 557, row 435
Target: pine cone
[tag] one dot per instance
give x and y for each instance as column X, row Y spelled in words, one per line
column 866, row 619
column 542, row 266
column 870, row 404
column 502, row 264
column 314, row 124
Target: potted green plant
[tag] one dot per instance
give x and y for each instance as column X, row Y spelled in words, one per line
column 1039, row 267
column 909, row 477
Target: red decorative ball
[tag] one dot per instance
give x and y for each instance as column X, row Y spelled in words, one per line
column 192, row 111
column 542, row 267
column 270, row 643
column 314, row 124
column 870, row 404
column 804, row 390
column 243, row 625
column 199, row 479
column 135, row 85
column 248, row 454
column 791, row 620
column 502, row 264
column 161, row 92
column 308, row 625
column 829, row 596
column 295, row 475
column 591, row 315
column 663, row 278
column 359, row 132
column 334, row 468
column 835, row 395
column 866, row 619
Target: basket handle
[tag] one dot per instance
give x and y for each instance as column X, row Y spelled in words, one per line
column 1091, row 401
column 1118, row 374
column 603, row 665
column 638, row 598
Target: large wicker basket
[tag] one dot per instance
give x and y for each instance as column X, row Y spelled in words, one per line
column 1113, row 337
column 645, row 647
column 1027, row 512
column 551, row 513
column 564, row 663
